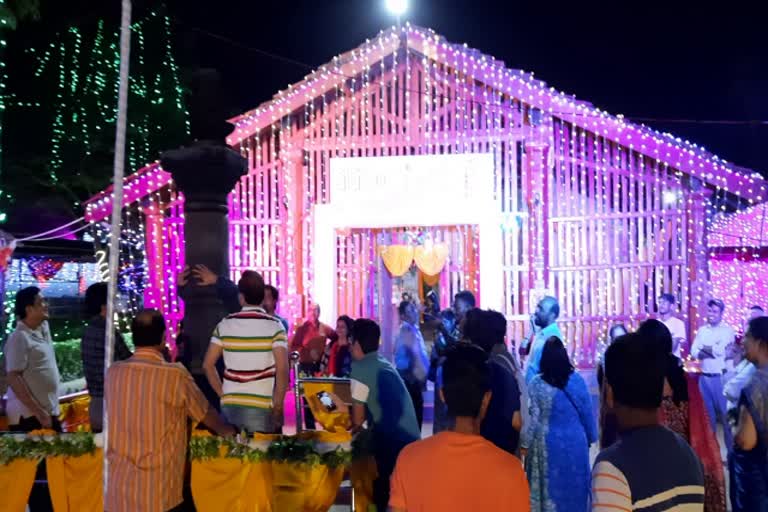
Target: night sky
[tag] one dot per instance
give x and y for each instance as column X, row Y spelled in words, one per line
column 653, row 62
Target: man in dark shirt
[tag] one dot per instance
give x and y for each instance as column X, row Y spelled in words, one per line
column 650, row 467
column 92, row 350
column 502, row 422
column 380, row 397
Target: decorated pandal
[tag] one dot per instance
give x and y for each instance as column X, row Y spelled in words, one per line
column 263, row 473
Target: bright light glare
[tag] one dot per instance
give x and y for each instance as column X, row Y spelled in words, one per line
column 397, row 7
column 669, row 197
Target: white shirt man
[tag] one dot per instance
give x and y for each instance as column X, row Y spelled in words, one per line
column 709, row 347
column 676, row 326
column 33, row 376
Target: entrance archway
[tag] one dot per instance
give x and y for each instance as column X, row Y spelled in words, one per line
column 424, row 190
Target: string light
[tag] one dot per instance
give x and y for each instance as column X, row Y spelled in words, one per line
column 82, row 66
column 621, row 189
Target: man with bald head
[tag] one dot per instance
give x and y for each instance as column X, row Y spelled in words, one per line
column 150, row 403
column 545, row 326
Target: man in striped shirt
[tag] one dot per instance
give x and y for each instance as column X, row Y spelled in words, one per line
column 650, row 468
column 255, row 350
column 150, row 403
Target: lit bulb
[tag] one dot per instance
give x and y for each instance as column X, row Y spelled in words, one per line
column 397, row 7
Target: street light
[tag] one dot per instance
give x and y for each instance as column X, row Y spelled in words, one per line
column 397, row 8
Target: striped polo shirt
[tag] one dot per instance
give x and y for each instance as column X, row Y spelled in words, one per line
column 248, row 338
column 650, row 469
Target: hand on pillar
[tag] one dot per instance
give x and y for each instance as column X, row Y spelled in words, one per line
column 204, row 275
column 184, row 277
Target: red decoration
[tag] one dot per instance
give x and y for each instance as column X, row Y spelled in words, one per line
column 5, row 257
column 44, row 269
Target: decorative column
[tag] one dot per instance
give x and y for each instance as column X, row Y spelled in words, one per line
column 537, row 192
column 205, row 173
column 698, row 203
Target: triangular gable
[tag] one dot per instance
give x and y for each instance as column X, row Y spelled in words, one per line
column 674, row 152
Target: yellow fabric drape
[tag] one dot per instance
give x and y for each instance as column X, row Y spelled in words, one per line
column 74, row 415
column 76, row 483
column 397, row 258
column 16, row 481
column 430, row 281
column 332, row 421
column 431, row 258
column 362, row 474
column 232, row 485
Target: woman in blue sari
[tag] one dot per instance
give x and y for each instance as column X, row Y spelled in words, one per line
column 555, row 441
column 749, row 458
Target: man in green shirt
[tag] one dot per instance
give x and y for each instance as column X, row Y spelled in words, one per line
column 380, row 397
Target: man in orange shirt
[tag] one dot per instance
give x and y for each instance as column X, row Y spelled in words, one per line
column 150, row 403
column 467, row 472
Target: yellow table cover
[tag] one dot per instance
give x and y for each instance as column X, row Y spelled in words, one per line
column 16, row 481
column 76, row 483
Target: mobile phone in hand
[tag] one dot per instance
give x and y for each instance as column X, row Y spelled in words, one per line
column 326, row 400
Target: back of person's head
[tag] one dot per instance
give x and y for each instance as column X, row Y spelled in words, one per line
column 556, row 367
column 658, row 334
column 473, row 324
column 466, row 380
column 498, row 326
column 95, row 298
column 467, row 297
column 478, row 329
column 634, row 368
column 24, row 299
column 616, row 330
column 272, row 290
column 758, row 329
column 366, row 333
column 402, row 308
column 148, row 328
column 251, row 287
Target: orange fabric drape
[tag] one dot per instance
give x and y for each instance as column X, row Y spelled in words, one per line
column 16, row 481
column 430, row 281
column 397, row 258
column 231, row 484
column 75, row 483
column 362, row 474
column 431, row 258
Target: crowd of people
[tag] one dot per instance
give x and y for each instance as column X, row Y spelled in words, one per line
column 506, row 435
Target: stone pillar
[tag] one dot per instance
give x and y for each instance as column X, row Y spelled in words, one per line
column 537, row 192
column 205, row 173
column 698, row 208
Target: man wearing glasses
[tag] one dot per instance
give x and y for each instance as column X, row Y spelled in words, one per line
column 33, row 376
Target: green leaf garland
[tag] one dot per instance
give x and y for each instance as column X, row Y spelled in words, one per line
column 69, row 445
column 285, row 449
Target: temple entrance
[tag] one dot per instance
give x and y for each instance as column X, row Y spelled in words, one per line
column 411, row 201
column 377, row 268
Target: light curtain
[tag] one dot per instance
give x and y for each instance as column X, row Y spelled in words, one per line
column 397, row 258
column 16, row 479
column 431, row 258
